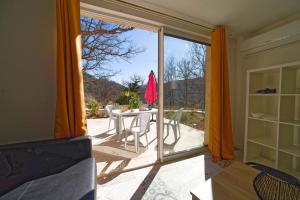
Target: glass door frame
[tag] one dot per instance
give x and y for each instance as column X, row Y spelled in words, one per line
column 160, row 122
column 86, row 10
column 160, row 117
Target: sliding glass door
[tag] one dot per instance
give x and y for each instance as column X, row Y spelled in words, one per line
column 183, row 102
column 114, row 87
column 114, row 62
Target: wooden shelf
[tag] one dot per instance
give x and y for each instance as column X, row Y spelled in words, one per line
column 264, row 95
column 287, row 95
column 264, row 141
column 295, row 151
column 264, row 161
column 264, row 119
column 291, row 122
column 273, row 138
column 289, row 163
column 292, row 172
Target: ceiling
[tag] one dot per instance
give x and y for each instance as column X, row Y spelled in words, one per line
column 241, row 16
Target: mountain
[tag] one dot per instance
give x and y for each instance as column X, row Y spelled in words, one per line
column 185, row 93
column 189, row 94
column 103, row 90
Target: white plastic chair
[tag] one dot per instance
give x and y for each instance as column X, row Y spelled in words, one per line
column 144, row 120
column 174, row 123
column 109, row 109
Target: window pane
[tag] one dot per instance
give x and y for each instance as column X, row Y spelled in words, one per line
column 184, row 95
column 116, row 62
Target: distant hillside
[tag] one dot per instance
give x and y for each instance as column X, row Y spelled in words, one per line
column 187, row 94
column 102, row 90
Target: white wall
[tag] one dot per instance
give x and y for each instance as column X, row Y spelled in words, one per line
column 27, row 70
column 279, row 55
column 232, row 65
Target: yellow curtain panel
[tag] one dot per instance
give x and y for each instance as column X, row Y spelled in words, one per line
column 70, row 118
column 220, row 127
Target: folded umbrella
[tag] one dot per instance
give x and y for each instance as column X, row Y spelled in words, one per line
column 150, row 93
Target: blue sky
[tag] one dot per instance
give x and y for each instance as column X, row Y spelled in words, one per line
column 177, row 47
column 143, row 63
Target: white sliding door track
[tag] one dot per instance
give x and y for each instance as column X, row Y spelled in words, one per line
column 130, row 15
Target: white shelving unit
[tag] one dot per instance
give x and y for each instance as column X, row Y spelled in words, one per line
column 272, row 124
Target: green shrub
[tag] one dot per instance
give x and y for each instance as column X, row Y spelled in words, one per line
column 192, row 119
column 97, row 115
column 134, row 102
column 125, row 97
column 168, row 114
column 93, row 105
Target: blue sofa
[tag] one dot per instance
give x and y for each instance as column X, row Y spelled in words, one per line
column 51, row 169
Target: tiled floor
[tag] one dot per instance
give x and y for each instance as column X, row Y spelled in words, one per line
column 111, row 155
column 160, row 182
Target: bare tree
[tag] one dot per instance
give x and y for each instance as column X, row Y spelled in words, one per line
column 170, row 80
column 103, row 42
column 186, row 72
column 170, row 69
column 197, row 54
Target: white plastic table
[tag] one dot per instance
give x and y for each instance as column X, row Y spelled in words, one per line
column 119, row 114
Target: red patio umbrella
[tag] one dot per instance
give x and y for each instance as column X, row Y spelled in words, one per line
column 150, row 93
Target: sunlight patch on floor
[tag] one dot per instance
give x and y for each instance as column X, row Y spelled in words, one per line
column 109, row 147
column 170, row 181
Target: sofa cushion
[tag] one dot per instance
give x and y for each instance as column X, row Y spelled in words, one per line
column 76, row 182
column 4, row 166
column 38, row 159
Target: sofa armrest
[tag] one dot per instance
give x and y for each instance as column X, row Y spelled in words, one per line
column 32, row 160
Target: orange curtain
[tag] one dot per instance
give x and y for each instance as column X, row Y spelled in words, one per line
column 220, row 127
column 70, row 118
